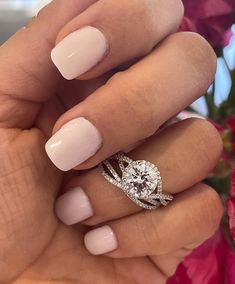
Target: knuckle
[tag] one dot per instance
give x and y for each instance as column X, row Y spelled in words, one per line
column 179, row 7
column 175, row 11
column 206, row 143
column 172, row 10
column 149, row 20
column 136, row 102
column 139, row 105
column 114, row 15
column 154, row 15
column 209, row 137
column 212, row 209
column 198, row 52
column 212, row 135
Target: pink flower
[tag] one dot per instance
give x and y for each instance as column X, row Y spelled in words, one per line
column 230, row 122
column 232, row 188
column 231, row 214
column 227, row 37
column 211, row 263
column 210, row 18
column 230, row 260
column 231, row 207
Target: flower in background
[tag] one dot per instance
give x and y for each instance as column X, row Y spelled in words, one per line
column 212, row 263
column 231, row 207
column 230, row 269
column 227, row 37
column 209, row 18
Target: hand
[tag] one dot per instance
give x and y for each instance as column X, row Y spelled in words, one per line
column 141, row 246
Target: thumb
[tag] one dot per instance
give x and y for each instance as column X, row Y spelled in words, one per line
column 27, row 75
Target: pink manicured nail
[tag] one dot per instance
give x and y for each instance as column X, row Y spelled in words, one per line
column 73, row 144
column 79, row 52
column 101, row 240
column 73, row 207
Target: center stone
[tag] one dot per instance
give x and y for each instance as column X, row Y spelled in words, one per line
column 140, row 178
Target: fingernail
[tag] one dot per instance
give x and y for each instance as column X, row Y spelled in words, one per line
column 73, row 207
column 74, row 143
column 79, row 52
column 100, row 241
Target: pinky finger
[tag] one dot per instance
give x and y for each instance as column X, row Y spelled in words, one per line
column 192, row 217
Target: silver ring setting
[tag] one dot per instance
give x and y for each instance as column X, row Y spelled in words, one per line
column 140, row 180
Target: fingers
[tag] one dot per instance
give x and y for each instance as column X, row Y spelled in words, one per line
column 110, row 33
column 134, row 103
column 27, row 74
column 191, row 218
column 184, row 153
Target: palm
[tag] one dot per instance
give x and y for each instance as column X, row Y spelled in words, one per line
column 36, row 247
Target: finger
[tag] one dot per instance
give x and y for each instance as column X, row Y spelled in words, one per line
column 28, row 77
column 184, row 153
column 191, row 218
column 110, row 33
column 134, row 103
column 168, row 263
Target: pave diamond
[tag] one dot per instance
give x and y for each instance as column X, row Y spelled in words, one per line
column 141, row 178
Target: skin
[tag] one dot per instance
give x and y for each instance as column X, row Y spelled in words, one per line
column 35, row 246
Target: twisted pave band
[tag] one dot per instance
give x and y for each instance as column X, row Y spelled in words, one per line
column 139, row 180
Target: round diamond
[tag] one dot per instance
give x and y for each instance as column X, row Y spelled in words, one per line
column 141, row 178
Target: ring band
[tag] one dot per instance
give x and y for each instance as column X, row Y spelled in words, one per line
column 140, row 180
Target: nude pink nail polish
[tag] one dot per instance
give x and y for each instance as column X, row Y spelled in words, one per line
column 79, row 52
column 73, row 206
column 101, row 240
column 74, row 143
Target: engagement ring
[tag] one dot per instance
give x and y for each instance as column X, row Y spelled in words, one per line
column 139, row 180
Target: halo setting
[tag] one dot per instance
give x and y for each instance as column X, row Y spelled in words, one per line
column 140, row 181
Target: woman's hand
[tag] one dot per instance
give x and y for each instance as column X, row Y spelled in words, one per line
column 122, row 109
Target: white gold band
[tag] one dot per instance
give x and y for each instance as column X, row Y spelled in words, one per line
column 139, row 180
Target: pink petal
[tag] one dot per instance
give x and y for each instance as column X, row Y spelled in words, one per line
column 230, row 267
column 232, row 188
column 227, row 37
column 180, row 276
column 210, row 18
column 188, row 25
column 206, row 264
column 230, row 122
column 231, row 214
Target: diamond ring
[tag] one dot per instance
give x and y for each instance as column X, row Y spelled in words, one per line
column 139, row 180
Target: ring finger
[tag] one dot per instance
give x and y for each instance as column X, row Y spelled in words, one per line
column 181, row 152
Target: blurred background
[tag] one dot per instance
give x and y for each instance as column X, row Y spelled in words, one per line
column 15, row 13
